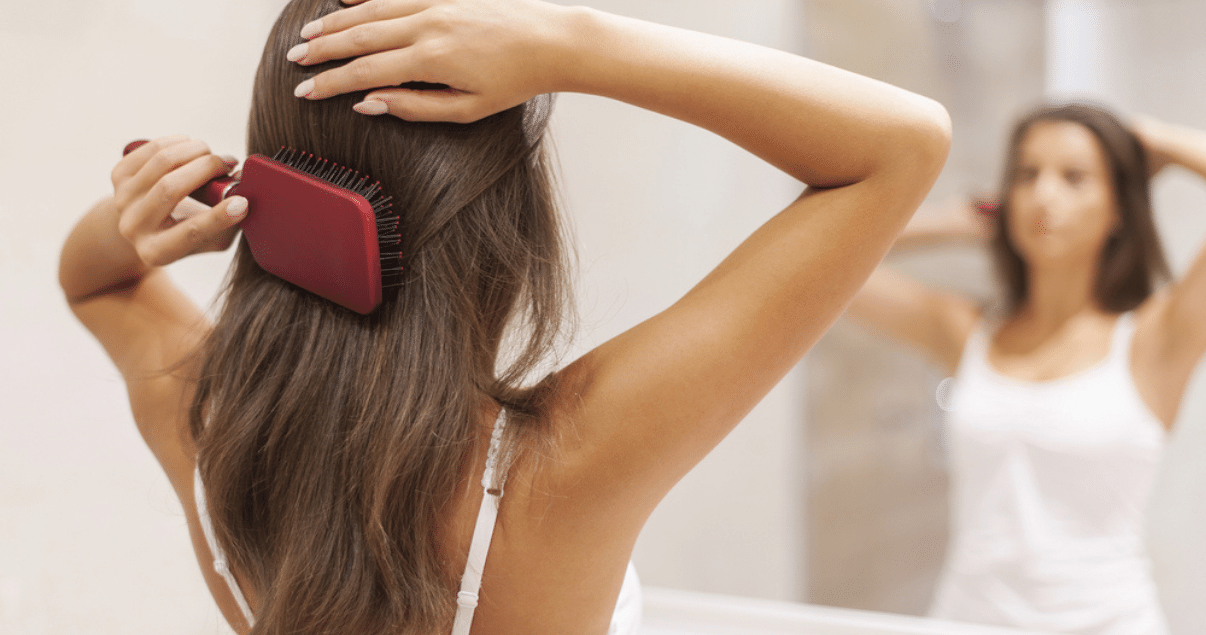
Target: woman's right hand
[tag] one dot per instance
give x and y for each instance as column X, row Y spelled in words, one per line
column 490, row 54
column 150, row 189
column 957, row 218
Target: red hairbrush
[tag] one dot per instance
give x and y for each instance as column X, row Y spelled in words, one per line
column 323, row 227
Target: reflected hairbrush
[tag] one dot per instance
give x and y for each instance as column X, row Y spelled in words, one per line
column 325, row 228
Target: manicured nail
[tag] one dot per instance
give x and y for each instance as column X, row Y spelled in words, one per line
column 304, row 89
column 298, row 52
column 371, row 107
column 236, row 207
column 312, row 30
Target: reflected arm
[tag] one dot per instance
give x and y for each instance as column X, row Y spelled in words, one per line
column 1184, row 311
column 933, row 321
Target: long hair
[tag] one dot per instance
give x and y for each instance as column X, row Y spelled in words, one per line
column 331, row 443
column 1132, row 261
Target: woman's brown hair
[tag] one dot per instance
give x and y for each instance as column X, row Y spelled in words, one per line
column 1132, row 260
column 331, row 443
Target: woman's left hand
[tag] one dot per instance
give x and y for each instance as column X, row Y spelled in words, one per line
column 1157, row 138
column 489, row 55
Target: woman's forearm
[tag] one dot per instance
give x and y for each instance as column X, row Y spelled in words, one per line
column 824, row 126
column 153, row 180
column 96, row 258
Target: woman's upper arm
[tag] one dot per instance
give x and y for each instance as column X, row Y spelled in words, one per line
column 1182, row 319
column 148, row 329
column 1181, row 312
column 933, row 321
column 651, row 403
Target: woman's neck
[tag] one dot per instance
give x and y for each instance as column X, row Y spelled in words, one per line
column 1059, row 291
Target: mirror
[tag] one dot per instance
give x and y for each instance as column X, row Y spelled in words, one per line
column 876, row 517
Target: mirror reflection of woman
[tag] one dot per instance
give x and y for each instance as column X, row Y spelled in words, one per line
column 340, row 457
column 1063, row 393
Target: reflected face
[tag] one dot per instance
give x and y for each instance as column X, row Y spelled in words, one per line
column 1063, row 204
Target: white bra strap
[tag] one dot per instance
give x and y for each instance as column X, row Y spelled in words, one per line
column 220, row 565
column 483, row 531
column 980, row 339
column 1121, row 336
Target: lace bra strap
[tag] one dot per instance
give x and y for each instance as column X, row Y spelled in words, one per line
column 483, row 531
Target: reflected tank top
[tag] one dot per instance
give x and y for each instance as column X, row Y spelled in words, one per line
column 1049, row 487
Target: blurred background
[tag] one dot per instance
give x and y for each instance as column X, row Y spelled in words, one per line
column 834, row 489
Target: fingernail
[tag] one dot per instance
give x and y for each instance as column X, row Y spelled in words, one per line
column 313, row 29
column 229, row 160
column 304, row 89
column 298, row 52
column 236, row 207
column 371, row 107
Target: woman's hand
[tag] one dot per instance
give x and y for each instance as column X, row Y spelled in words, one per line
column 150, row 186
column 1169, row 144
column 1157, row 138
column 956, row 219
column 484, row 56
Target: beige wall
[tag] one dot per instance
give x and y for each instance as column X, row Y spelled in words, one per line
column 92, row 539
column 91, row 536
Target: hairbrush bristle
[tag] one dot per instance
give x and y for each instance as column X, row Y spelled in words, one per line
column 389, row 240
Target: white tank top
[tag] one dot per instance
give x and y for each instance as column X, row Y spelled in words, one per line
column 1049, row 488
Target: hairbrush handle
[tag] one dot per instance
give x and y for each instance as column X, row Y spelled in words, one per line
column 211, row 193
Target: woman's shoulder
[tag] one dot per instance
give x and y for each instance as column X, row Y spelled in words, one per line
column 978, row 314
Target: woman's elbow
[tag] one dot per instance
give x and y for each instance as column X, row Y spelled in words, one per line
column 927, row 137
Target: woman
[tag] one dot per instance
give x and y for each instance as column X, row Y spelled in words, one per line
column 339, row 456
column 1062, row 398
